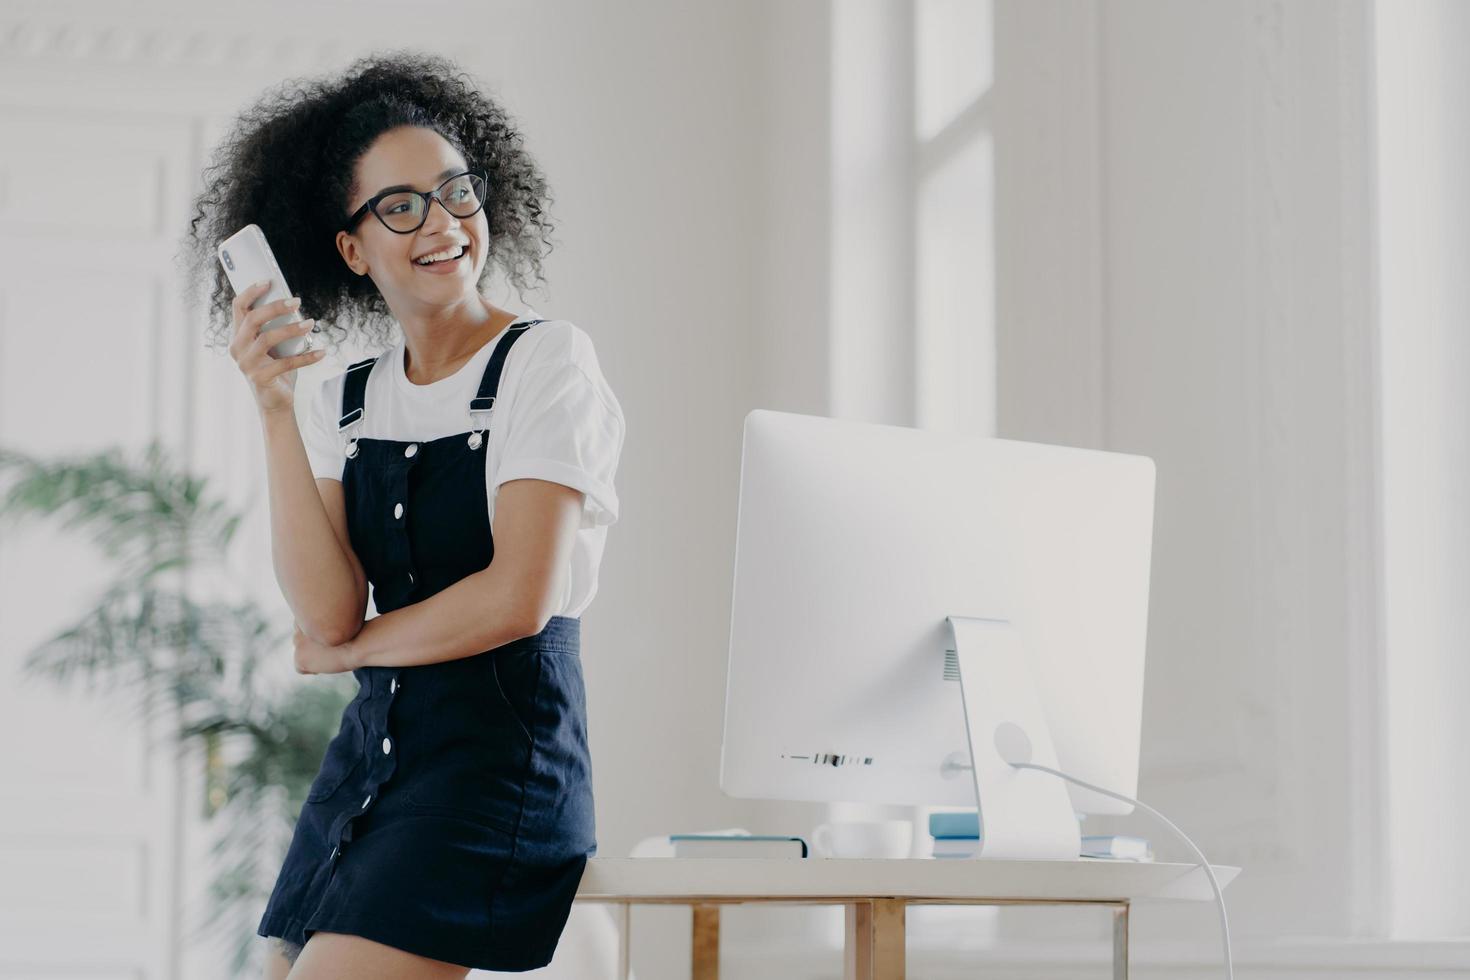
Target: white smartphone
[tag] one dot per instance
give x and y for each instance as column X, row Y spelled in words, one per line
column 247, row 258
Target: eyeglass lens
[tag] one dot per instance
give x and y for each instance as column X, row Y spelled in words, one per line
column 404, row 211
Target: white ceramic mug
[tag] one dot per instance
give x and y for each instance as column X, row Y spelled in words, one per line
column 864, row 839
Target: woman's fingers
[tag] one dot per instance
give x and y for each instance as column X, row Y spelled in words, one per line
column 267, row 339
column 241, row 315
column 250, row 345
column 280, row 365
column 262, row 315
column 250, row 294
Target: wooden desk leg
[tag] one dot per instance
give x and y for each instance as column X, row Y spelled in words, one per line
column 625, row 939
column 1120, row 942
column 857, row 919
column 874, row 945
column 705, row 954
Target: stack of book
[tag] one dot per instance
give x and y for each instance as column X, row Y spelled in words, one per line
column 957, row 835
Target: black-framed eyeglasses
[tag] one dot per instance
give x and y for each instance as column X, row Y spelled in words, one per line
column 404, row 212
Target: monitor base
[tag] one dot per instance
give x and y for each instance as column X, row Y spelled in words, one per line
column 1024, row 814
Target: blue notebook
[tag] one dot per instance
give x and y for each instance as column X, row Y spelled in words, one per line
column 965, row 825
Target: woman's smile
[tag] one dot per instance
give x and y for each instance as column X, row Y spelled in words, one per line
column 446, row 267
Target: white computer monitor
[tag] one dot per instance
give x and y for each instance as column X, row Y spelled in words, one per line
column 856, row 542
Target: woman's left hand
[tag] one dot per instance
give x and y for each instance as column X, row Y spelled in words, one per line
column 318, row 658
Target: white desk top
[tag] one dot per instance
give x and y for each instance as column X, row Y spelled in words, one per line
column 679, row 879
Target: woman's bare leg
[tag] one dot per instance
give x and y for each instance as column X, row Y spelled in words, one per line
column 338, row 956
column 279, row 956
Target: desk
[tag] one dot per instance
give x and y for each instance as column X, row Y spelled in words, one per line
column 875, row 892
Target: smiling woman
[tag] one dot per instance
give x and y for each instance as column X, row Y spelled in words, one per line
column 463, row 479
column 291, row 165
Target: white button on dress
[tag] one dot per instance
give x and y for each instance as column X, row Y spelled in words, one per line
column 387, row 744
column 397, row 510
column 411, row 449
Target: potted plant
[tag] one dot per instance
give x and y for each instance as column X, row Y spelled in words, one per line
column 190, row 663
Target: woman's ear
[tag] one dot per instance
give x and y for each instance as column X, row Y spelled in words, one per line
column 347, row 247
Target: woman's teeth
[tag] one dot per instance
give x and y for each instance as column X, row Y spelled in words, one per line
column 453, row 253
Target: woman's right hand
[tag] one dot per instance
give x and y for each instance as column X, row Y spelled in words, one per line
column 272, row 379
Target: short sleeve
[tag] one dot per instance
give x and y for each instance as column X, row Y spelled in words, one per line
column 319, row 434
column 565, row 427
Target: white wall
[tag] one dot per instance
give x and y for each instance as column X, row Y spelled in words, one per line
column 1423, row 157
column 1237, row 339
column 90, row 799
column 1184, row 270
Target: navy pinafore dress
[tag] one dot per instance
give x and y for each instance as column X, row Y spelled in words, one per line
column 452, row 815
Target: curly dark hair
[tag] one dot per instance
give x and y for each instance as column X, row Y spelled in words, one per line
column 289, row 162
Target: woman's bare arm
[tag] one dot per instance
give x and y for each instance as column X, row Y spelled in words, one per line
column 534, row 530
column 320, row 576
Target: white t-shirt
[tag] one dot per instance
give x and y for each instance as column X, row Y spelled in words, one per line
column 555, row 419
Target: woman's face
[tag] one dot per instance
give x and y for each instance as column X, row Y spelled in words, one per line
column 420, row 159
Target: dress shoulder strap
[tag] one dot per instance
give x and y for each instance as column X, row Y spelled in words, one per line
column 354, row 388
column 490, row 380
column 484, row 399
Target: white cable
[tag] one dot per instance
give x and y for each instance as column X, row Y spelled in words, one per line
column 1204, row 863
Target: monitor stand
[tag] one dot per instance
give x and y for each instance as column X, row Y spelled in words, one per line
column 1024, row 814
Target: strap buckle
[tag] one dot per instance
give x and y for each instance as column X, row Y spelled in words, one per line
column 342, row 423
column 486, row 405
